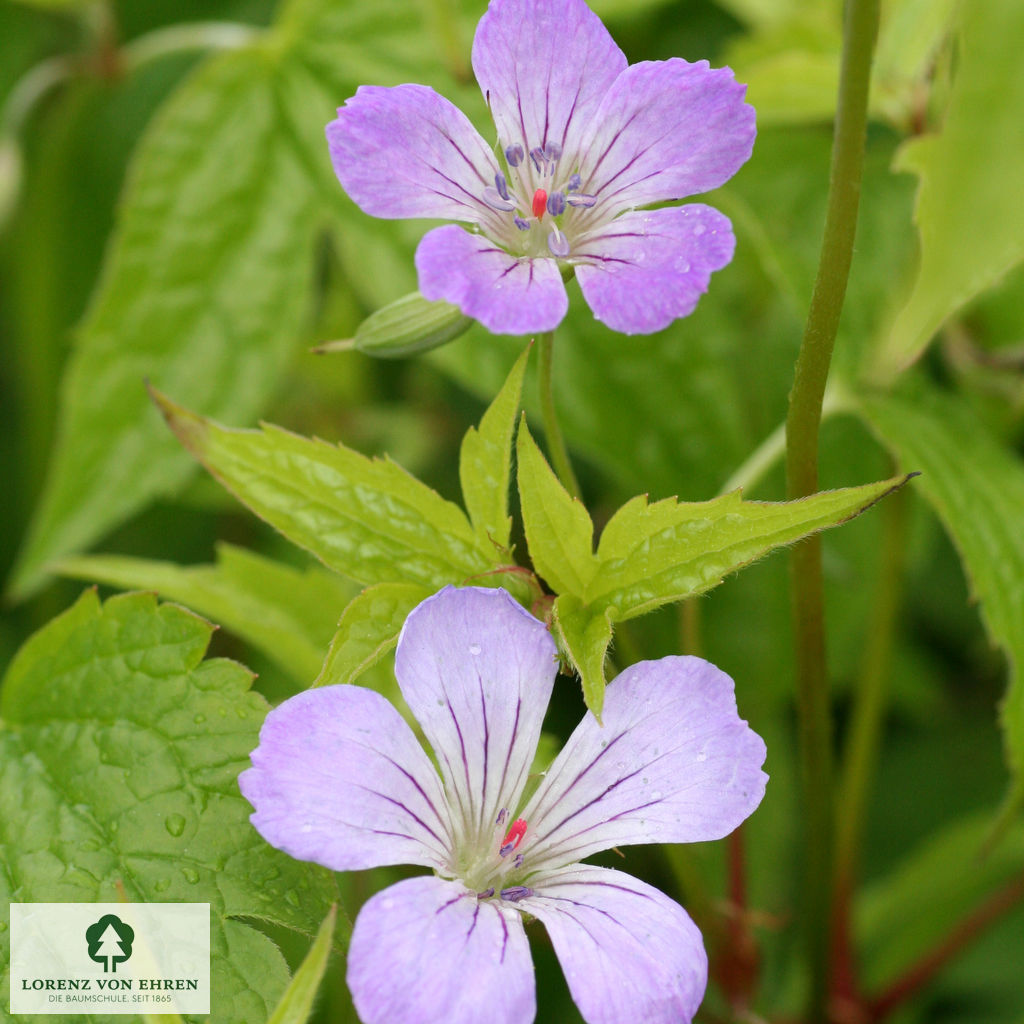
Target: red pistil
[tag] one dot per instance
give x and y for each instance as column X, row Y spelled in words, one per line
column 540, row 203
column 515, row 834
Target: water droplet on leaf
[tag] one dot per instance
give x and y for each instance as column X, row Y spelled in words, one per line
column 175, row 824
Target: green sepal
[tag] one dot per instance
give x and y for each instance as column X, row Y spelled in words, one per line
column 559, row 531
column 296, row 1004
column 485, row 462
column 368, row 630
column 404, row 327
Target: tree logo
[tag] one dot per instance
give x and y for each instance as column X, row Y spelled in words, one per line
column 110, row 942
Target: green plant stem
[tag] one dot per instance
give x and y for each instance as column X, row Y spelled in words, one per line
column 802, row 427
column 553, row 431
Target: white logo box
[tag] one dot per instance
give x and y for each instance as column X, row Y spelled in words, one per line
column 73, row 958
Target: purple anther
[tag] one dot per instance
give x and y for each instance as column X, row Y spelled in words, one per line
column 537, row 156
column 501, row 185
column 581, row 199
column 575, row 183
column 486, row 894
column 558, row 243
column 504, row 851
column 518, row 862
column 516, row 893
column 552, row 151
column 494, row 199
column 502, row 815
column 556, row 203
column 514, row 155
column 523, row 225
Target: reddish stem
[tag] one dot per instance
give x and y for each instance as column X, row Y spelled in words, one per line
column 933, row 961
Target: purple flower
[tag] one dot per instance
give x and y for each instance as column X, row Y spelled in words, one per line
column 583, row 140
column 340, row 779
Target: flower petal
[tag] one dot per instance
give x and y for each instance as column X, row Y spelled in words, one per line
column 544, row 66
column 629, row 953
column 648, row 268
column 339, row 778
column 508, row 296
column 666, row 130
column 426, row 950
column 406, row 151
column 673, row 763
column 476, row 669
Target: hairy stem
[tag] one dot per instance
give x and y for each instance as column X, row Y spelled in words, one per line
column 553, row 431
column 802, row 427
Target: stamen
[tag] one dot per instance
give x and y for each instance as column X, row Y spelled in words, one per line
column 537, row 156
column 556, row 204
column 558, row 243
column 518, row 862
column 581, row 199
column 493, row 198
column 501, row 185
column 486, row 894
column 523, row 225
column 540, row 203
column 514, row 155
column 575, row 183
column 502, row 815
column 516, row 893
column 513, row 838
column 553, row 151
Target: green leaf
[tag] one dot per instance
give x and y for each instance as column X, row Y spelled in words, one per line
column 120, row 750
column 584, row 637
column 977, row 488
column 204, row 292
column 559, row 532
column 368, row 630
column 968, row 214
column 297, row 1003
column 366, row 518
column 288, row 613
column 651, row 554
column 485, row 461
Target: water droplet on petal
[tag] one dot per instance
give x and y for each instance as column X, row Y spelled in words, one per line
column 474, row 649
column 657, row 795
column 699, row 229
column 702, row 756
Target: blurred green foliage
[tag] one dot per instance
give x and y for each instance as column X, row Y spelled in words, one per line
column 171, row 216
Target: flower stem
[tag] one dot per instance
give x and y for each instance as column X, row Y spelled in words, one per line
column 556, row 442
column 802, row 427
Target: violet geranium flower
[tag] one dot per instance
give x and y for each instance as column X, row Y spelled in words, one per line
column 339, row 778
column 583, row 141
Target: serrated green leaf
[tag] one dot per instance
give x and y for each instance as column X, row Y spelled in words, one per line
column 968, row 214
column 120, row 750
column 584, row 637
column 485, row 461
column 977, row 488
column 204, row 292
column 650, row 555
column 297, row 1003
column 288, row 613
column 368, row 629
column 559, row 532
column 366, row 518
